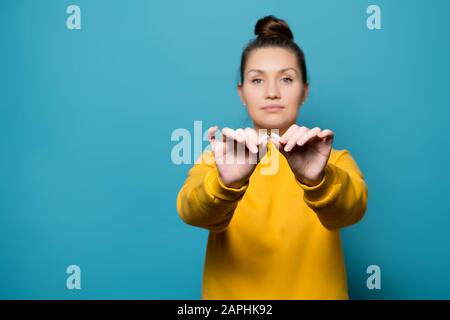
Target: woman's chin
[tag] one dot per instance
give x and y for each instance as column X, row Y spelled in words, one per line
column 274, row 125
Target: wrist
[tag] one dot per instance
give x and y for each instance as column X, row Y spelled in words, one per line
column 233, row 184
column 311, row 182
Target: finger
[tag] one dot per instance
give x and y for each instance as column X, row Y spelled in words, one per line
column 285, row 137
column 294, row 138
column 228, row 134
column 217, row 150
column 262, row 147
column 212, row 135
column 262, row 138
column 240, row 136
column 308, row 136
column 261, row 144
column 251, row 139
column 326, row 133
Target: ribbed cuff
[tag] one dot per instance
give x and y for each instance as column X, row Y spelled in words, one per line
column 322, row 190
column 215, row 187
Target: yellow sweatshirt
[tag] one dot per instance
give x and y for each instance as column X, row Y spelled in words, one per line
column 274, row 238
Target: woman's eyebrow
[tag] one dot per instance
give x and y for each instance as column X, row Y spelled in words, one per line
column 279, row 71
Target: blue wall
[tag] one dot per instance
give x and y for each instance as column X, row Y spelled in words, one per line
column 86, row 118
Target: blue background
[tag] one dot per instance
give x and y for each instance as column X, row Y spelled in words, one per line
column 86, row 118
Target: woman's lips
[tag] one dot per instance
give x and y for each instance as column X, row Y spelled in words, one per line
column 272, row 108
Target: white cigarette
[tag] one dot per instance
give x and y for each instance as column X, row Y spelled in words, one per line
column 273, row 135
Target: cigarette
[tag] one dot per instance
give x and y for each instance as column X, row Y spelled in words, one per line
column 274, row 135
column 271, row 135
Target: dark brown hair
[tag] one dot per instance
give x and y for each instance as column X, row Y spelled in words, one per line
column 273, row 32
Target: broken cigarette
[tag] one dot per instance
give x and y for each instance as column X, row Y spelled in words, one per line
column 269, row 135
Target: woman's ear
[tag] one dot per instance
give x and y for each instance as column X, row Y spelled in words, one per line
column 305, row 92
column 241, row 94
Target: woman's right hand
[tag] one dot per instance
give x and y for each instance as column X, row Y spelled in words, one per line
column 236, row 154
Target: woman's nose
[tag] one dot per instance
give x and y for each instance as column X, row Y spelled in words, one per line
column 272, row 90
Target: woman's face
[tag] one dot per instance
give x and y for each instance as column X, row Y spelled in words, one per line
column 272, row 77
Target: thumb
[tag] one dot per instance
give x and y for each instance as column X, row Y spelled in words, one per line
column 262, row 146
column 275, row 138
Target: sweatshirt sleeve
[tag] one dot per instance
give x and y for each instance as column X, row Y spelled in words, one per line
column 203, row 200
column 340, row 199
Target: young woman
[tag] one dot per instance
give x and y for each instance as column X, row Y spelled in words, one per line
column 273, row 236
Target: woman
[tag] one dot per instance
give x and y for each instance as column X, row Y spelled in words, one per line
column 273, row 236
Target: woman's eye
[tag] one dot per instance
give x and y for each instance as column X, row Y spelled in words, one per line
column 253, row 81
column 289, row 80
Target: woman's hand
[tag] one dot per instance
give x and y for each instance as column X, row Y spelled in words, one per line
column 236, row 154
column 307, row 152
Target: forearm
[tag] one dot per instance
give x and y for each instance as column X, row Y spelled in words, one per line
column 204, row 201
column 340, row 199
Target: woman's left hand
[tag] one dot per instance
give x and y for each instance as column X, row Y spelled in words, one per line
column 307, row 152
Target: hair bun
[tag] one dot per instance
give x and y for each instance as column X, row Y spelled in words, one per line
column 270, row 26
